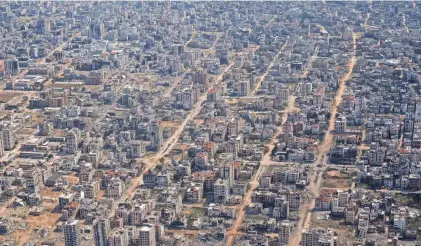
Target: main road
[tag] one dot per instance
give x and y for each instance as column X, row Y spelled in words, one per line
column 316, row 178
column 262, row 77
column 254, row 183
column 42, row 60
column 172, row 141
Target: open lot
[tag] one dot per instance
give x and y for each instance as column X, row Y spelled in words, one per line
column 341, row 179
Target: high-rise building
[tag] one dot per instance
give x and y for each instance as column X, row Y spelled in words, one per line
column 177, row 49
column 70, row 14
column 285, row 231
column 175, row 65
column 200, row 77
column 343, row 198
column 33, row 177
column 221, row 190
column 156, row 135
column 308, row 88
column 43, row 26
column 283, row 94
column 11, row 66
column 72, row 140
column 284, row 69
column 159, row 231
column 101, row 231
column 1, row 145
column 8, row 136
column 227, row 172
column 71, row 230
column 147, row 235
column 187, row 99
column 340, row 124
column 96, row 30
column 33, row 52
column 213, row 95
column 244, row 88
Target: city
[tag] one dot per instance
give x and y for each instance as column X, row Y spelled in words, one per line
column 210, row 123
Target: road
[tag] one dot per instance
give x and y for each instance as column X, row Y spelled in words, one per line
column 42, row 60
column 180, row 78
column 254, row 183
column 173, row 140
column 366, row 20
column 262, row 78
column 316, row 178
column 310, row 62
column 177, row 80
column 270, row 22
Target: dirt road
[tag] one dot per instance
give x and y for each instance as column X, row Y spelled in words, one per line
column 254, row 183
column 177, row 80
column 262, row 78
column 42, row 60
column 171, row 141
column 324, row 148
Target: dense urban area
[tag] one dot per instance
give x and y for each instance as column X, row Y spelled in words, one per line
column 210, row 123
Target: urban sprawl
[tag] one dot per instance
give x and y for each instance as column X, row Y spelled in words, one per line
column 210, row 123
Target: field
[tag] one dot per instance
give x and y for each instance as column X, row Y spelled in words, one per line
column 171, row 124
column 20, row 215
column 6, row 96
column 338, row 179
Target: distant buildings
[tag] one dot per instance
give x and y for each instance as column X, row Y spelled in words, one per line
column 107, row 108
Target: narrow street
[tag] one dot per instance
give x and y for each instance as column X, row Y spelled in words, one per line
column 179, row 78
column 270, row 65
column 42, row 60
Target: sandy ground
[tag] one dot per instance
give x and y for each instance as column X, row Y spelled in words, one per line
column 335, row 173
column 172, row 124
column 46, row 220
column 6, row 96
column 72, row 179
